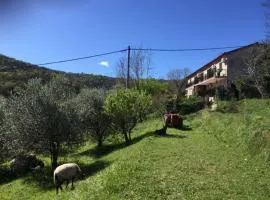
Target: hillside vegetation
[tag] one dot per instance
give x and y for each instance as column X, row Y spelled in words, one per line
column 218, row 155
column 15, row 73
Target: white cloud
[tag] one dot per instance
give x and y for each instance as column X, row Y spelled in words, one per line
column 104, row 63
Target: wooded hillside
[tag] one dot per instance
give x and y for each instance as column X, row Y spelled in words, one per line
column 15, row 73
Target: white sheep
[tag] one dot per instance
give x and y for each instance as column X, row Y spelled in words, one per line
column 65, row 172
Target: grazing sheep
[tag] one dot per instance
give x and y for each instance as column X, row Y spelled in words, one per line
column 24, row 163
column 65, row 172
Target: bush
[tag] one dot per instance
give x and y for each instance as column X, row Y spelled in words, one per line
column 260, row 142
column 38, row 119
column 190, row 105
column 126, row 107
column 184, row 106
column 95, row 122
column 152, row 86
column 227, row 106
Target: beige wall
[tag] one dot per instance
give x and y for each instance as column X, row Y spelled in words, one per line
column 222, row 62
column 237, row 68
column 189, row 92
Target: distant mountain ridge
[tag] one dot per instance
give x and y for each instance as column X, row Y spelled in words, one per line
column 16, row 73
column 11, row 64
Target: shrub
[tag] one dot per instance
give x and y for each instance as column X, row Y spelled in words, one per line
column 126, row 107
column 95, row 122
column 227, row 106
column 190, row 105
column 183, row 106
column 38, row 120
column 260, row 142
column 152, row 86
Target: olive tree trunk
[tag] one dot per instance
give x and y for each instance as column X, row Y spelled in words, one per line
column 54, row 155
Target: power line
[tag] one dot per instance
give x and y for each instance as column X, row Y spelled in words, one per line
column 197, row 49
column 139, row 49
column 82, row 58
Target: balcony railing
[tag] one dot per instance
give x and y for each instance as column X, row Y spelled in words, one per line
column 190, row 84
column 210, row 74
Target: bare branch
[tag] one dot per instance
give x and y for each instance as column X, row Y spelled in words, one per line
column 177, row 79
column 255, row 70
column 140, row 62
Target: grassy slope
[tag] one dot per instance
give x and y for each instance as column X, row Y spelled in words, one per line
column 213, row 162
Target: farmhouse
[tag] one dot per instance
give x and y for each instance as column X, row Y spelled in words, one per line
column 220, row 72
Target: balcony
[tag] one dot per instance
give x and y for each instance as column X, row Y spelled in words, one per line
column 199, row 78
column 211, row 76
column 210, row 73
column 190, row 84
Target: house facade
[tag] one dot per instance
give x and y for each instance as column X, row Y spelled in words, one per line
column 220, row 72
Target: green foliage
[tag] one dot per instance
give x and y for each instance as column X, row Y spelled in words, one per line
column 2, row 106
column 38, row 118
column 152, row 86
column 264, row 62
column 227, row 106
column 247, row 126
column 210, row 161
column 258, row 72
column 126, row 107
column 259, row 141
column 246, row 88
column 3, row 135
column 190, row 105
column 184, row 106
column 222, row 93
column 79, row 81
column 15, row 73
column 89, row 105
column 158, row 90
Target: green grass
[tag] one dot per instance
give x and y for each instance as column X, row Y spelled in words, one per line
column 223, row 156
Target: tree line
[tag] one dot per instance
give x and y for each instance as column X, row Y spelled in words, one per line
column 44, row 118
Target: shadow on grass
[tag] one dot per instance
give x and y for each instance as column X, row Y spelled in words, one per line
column 173, row 136
column 90, row 170
column 43, row 178
column 98, row 152
column 6, row 175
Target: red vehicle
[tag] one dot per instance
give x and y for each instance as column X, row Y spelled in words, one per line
column 173, row 120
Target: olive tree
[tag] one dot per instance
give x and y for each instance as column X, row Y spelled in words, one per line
column 125, row 107
column 95, row 122
column 3, row 134
column 40, row 120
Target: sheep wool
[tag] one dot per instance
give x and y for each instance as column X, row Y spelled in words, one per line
column 65, row 172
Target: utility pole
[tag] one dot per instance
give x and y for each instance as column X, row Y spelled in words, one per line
column 128, row 67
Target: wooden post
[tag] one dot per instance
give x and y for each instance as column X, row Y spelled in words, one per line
column 128, row 68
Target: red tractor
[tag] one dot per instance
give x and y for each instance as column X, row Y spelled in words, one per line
column 173, row 120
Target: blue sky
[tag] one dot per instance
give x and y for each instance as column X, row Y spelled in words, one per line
column 41, row 32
